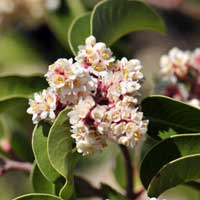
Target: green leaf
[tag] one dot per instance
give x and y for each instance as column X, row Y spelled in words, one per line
column 112, row 19
column 60, row 21
column 37, row 197
column 177, row 172
column 67, row 192
column 39, row 145
column 4, row 130
column 9, row 105
column 120, row 170
column 167, row 152
column 78, row 32
column 20, row 86
column 59, row 24
column 76, row 7
column 111, row 194
column 60, row 144
column 166, row 134
column 39, row 183
column 16, row 50
column 21, row 145
column 60, row 154
column 147, row 146
column 165, row 113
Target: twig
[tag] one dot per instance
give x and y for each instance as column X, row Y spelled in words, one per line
column 129, row 172
column 9, row 165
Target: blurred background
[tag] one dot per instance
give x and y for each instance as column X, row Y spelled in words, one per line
column 33, row 34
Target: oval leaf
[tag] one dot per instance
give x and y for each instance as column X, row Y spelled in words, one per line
column 165, row 113
column 21, row 145
column 177, row 172
column 60, row 144
column 39, row 183
column 18, row 89
column 37, row 197
column 17, row 50
column 78, row 31
column 165, row 152
column 20, row 86
column 67, row 192
column 39, row 145
column 112, row 19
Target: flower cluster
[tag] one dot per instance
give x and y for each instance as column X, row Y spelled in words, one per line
column 28, row 12
column 43, row 106
column 102, row 94
column 181, row 73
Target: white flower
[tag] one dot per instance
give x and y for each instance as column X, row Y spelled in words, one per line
column 101, row 93
column 43, row 106
column 127, row 125
column 195, row 59
column 98, row 113
column 129, row 87
column 131, row 69
column 175, row 63
column 178, row 57
column 59, row 72
column 71, row 81
column 166, row 66
column 95, row 56
column 81, row 110
column 87, row 140
column 129, row 100
column 118, row 129
column 52, row 5
column 26, row 12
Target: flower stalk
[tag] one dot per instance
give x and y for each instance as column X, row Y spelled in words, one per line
column 129, row 172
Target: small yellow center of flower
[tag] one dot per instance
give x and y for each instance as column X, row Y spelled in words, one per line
column 129, row 128
column 81, row 129
column 49, row 100
column 125, row 72
column 116, row 115
column 77, row 83
column 137, row 136
column 67, row 84
column 106, row 118
column 97, row 115
column 88, row 51
column 105, row 55
column 34, row 106
column 99, row 68
column 46, row 107
column 69, row 71
column 59, row 80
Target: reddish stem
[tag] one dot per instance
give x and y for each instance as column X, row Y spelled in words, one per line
column 9, row 165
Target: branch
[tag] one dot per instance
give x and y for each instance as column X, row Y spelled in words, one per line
column 9, row 165
column 129, row 172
